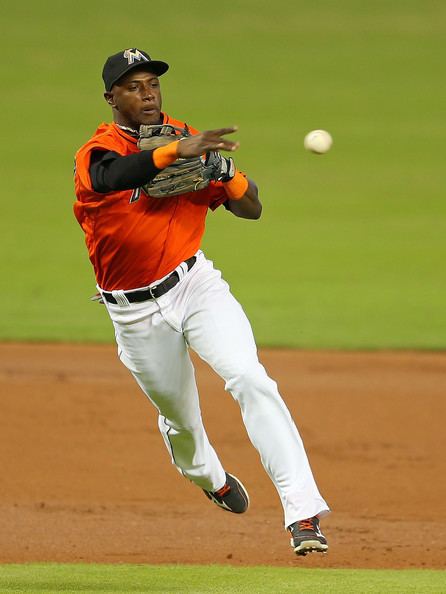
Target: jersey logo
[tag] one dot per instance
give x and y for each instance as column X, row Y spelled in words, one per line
column 134, row 54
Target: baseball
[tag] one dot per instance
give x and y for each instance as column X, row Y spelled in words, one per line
column 318, row 141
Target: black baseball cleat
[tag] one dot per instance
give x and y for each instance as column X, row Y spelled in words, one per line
column 231, row 497
column 306, row 537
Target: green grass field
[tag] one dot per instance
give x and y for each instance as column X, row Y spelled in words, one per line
column 169, row 579
column 350, row 250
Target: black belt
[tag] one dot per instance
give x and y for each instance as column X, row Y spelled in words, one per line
column 154, row 292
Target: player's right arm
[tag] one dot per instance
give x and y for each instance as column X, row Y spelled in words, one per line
column 111, row 172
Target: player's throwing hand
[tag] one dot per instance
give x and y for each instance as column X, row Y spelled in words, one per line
column 209, row 140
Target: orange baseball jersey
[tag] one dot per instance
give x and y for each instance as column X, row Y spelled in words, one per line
column 134, row 239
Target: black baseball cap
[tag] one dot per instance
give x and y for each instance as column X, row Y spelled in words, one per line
column 122, row 62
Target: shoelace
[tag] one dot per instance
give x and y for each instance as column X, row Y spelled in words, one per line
column 223, row 491
column 306, row 524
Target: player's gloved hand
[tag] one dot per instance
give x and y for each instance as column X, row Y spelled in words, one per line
column 186, row 173
column 223, row 168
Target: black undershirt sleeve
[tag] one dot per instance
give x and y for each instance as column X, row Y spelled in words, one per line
column 110, row 172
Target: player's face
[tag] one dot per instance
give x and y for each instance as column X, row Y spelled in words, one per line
column 136, row 99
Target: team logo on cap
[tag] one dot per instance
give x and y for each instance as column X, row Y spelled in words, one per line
column 133, row 54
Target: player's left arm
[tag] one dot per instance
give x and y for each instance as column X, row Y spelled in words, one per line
column 248, row 205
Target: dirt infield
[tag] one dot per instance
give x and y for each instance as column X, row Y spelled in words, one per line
column 85, row 476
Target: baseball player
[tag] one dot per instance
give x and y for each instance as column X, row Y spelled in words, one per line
column 142, row 207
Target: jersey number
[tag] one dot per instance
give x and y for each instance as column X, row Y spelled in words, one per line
column 136, row 194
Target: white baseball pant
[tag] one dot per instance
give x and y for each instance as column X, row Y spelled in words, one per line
column 200, row 312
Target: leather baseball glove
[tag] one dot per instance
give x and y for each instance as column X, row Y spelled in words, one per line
column 183, row 175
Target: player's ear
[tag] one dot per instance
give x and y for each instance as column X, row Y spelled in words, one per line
column 110, row 99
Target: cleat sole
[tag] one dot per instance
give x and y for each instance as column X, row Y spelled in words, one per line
column 310, row 546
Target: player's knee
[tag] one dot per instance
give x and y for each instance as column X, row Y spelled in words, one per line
column 251, row 382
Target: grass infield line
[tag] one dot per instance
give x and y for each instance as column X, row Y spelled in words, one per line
column 169, row 579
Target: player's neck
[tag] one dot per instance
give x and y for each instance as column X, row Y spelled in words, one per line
column 128, row 129
column 126, row 124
